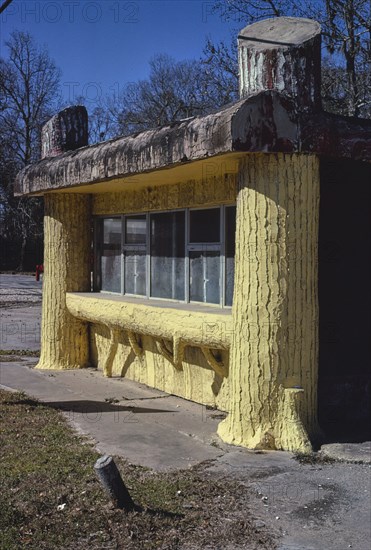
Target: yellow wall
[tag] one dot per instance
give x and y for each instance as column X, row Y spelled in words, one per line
column 208, row 191
column 125, row 343
column 198, row 382
column 270, row 390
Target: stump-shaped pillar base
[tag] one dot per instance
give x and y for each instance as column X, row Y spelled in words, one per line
column 274, row 352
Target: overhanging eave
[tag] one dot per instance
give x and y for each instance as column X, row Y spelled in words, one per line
column 267, row 122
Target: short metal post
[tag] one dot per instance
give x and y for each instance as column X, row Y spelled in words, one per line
column 110, row 478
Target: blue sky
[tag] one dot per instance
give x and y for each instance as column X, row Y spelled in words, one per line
column 102, row 45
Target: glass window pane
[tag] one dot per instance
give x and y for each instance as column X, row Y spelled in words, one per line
column 167, row 255
column 111, row 255
column 204, row 225
column 135, row 272
column 205, row 276
column 135, row 229
column 230, row 249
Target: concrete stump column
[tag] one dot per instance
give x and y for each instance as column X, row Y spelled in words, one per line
column 64, row 339
column 282, row 54
column 274, row 351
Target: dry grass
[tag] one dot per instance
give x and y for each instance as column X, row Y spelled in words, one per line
column 43, row 464
column 7, row 356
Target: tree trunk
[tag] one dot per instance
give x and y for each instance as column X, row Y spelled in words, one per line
column 274, row 350
column 22, row 254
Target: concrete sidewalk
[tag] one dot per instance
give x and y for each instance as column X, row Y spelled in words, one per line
column 142, row 424
column 124, row 418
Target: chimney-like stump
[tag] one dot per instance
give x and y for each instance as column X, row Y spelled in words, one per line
column 282, row 54
column 65, row 131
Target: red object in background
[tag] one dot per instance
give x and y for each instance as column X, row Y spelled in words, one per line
column 39, row 269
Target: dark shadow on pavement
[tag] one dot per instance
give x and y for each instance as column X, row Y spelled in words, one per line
column 86, row 406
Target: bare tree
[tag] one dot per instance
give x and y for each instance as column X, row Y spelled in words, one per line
column 173, row 91
column 29, row 84
column 220, row 67
column 348, row 32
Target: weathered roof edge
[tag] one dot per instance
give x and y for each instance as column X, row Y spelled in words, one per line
column 188, row 140
column 263, row 122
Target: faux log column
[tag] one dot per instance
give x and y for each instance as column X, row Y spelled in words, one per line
column 274, row 349
column 64, row 339
column 282, row 54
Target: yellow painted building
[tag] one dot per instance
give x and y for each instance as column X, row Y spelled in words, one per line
column 186, row 257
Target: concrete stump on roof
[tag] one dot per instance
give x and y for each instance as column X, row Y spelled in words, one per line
column 282, row 54
column 65, row 131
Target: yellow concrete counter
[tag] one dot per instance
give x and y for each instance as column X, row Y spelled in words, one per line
column 185, row 347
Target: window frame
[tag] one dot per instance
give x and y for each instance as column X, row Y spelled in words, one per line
column 97, row 251
column 188, row 247
column 186, row 286
column 133, row 247
column 207, row 247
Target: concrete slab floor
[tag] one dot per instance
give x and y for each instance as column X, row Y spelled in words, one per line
column 145, row 426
